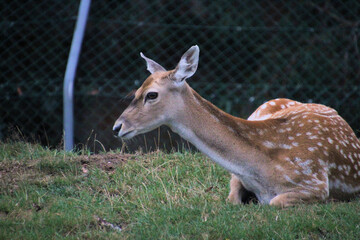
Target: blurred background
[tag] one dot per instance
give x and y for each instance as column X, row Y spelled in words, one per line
column 250, row 52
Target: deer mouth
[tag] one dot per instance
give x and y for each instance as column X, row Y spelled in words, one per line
column 128, row 134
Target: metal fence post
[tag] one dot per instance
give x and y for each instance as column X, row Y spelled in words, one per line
column 68, row 94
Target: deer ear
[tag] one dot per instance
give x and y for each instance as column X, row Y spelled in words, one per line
column 187, row 65
column 152, row 66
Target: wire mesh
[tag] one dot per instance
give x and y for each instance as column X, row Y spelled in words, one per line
column 251, row 52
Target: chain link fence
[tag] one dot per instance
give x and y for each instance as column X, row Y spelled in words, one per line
column 251, row 52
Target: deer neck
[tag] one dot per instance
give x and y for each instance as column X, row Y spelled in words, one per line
column 222, row 137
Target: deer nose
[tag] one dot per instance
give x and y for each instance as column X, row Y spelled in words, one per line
column 116, row 129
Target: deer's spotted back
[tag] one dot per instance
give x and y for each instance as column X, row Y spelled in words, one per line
column 316, row 148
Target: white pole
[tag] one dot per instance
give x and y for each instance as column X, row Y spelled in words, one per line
column 68, row 94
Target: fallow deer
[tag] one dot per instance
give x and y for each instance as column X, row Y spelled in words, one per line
column 286, row 153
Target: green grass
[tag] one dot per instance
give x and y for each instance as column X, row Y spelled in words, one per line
column 49, row 194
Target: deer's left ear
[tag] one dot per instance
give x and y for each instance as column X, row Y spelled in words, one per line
column 152, row 66
column 187, row 65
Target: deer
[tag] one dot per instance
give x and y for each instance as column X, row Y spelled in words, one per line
column 286, row 153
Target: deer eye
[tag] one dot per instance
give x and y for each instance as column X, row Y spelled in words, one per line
column 151, row 95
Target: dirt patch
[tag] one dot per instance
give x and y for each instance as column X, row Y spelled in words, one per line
column 110, row 161
column 107, row 161
column 12, row 173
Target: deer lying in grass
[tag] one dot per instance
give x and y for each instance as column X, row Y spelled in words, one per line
column 286, row 153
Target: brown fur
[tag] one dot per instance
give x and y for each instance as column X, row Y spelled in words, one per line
column 287, row 153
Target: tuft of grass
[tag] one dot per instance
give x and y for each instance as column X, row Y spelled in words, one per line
column 47, row 194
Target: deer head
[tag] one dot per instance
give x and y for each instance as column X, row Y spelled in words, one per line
column 157, row 101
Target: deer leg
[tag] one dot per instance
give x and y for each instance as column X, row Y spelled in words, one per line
column 236, row 190
column 289, row 199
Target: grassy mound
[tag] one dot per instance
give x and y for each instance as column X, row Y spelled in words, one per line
column 47, row 194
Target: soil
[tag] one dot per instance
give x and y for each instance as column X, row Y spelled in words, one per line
column 107, row 161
